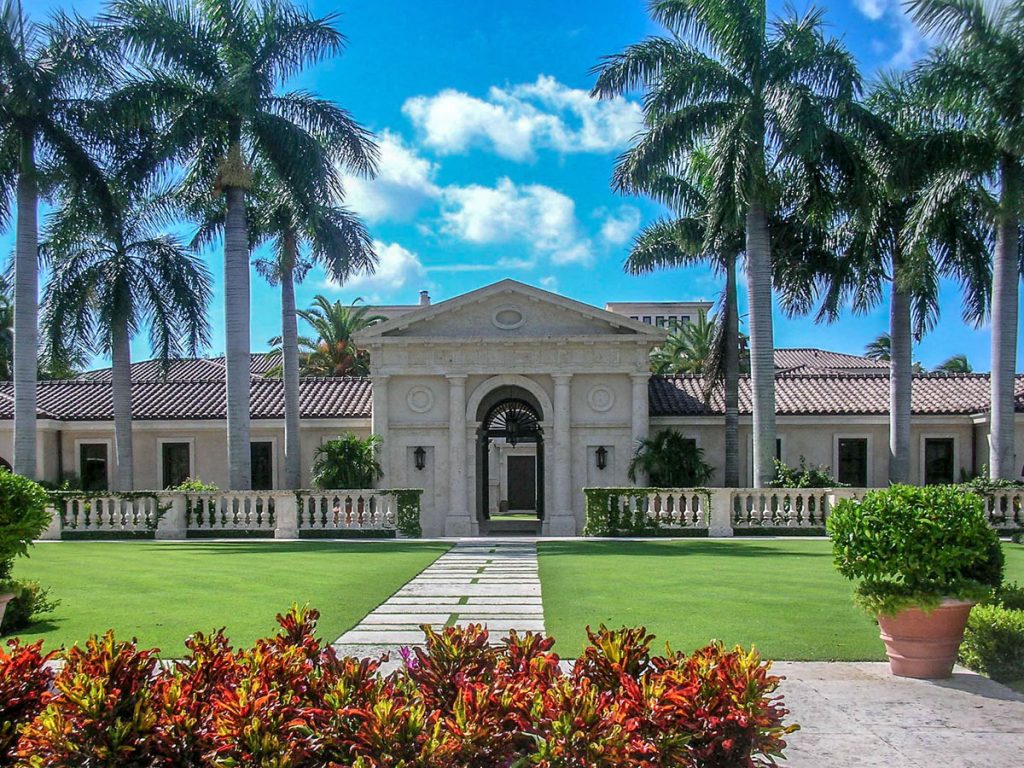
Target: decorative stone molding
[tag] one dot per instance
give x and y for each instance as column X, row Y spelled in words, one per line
column 420, row 399
column 508, row 317
column 601, row 398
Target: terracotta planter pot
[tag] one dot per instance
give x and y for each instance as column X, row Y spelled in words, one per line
column 924, row 645
column 4, row 600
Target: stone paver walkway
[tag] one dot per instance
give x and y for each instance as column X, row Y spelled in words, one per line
column 476, row 582
column 851, row 714
column 857, row 714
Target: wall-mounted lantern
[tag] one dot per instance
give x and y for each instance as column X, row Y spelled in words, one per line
column 602, row 457
column 420, row 457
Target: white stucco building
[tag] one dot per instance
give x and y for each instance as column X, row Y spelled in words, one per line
column 508, row 399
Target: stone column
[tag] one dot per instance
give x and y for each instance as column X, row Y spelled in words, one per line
column 561, row 521
column 458, row 522
column 379, row 425
column 640, row 420
column 286, row 516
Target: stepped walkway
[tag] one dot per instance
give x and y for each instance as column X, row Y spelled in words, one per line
column 476, row 582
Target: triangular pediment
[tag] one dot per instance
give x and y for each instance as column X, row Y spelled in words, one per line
column 510, row 310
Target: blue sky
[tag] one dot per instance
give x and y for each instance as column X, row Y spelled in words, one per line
column 496, row 164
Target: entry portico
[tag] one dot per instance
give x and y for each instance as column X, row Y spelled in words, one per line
column 464, row 391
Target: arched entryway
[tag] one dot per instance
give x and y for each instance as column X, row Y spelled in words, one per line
column 4, row 464
column 510, row 444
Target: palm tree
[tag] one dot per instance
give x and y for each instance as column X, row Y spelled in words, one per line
column 976, row 78
column 6, row 332
column 214, row 72
column 49, row 77
column 333, row 352
column 670, row 461
column 880, row 348
column 108, row 284
column 303, row 237
column 688, row 348
column 954, row 364
column 759, row 98
column 879, row 247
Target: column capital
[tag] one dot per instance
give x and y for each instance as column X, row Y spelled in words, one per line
column 639, row 378
column 457, row 378
column 381, row 378
column 561, row 378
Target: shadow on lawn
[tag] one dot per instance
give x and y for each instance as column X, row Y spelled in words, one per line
column 245, row 547
column 685, row 548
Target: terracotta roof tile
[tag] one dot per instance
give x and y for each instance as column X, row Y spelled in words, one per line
column 77, row 400
column 806, row 359
column 831, row 394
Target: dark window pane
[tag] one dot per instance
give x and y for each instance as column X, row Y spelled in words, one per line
column 177, row 464
column 853, row 461
column 93, row 461
column 262, row 455
column 938, row 461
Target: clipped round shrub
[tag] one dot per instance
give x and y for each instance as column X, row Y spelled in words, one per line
column 23, row 517
column 915, row 546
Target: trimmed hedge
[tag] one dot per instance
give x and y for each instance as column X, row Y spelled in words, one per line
column 994, row 643
column 606, row 515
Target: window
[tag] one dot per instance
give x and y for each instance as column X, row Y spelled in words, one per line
column 262, row 456
column 939, row 460
column 684, row 318
column 659, row 321
column 852, row 461
column 175, row 463
column 647, row 319
column 94, row 466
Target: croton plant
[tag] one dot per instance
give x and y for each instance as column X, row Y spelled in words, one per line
column 291, row 702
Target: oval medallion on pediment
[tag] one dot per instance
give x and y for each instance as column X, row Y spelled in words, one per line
column 508, row 317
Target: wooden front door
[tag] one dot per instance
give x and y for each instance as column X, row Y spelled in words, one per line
column 522, row 482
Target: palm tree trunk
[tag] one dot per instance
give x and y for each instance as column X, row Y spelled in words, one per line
column 1005, row 277
column 762, row 351
column 237, row 347
column 121, row 391
column 290, row 355
column 900, row 382
column 26, row 316
column 732, row 378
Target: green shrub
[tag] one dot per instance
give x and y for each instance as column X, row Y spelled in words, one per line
column 1009, row 596
column 348, row 462
column 31, row 600
column 23, row 517
column 803, row 476
column 994, row 643
column 915, row 546
column 195, row 485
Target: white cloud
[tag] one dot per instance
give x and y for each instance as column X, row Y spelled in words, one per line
column 404, row 183
column 397, row 267
column 515, row 121
column 619, row 226
column 549, row 283
column 503, row 264
column 539, row 216
column 891, row 14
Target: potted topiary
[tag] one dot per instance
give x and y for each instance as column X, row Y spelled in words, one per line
column 23, row 517
column 923, row 558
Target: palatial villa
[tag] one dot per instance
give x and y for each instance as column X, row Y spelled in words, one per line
column 509, row 398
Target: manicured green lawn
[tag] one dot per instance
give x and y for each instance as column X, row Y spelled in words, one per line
column 162, row 592
column 781, row 595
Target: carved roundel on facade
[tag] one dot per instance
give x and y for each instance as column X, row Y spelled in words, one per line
column 508, row 317
column 601, row 398
column 420, row 399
